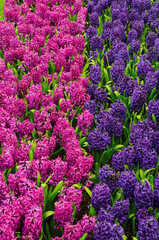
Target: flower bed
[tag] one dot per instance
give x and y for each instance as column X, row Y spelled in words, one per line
column 43, row 165
column 79, row 113
column 124, row 83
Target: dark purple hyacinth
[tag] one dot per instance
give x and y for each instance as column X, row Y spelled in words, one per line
column 127, row 182
column 107, row 231
column 151, row 54
column 150, row 39
column 108, row 176
column 124, row 157
column 125, row 84
column 96, row 43
column 91, row 106
column 148, row 229
column 141, row 214
column 156, row 191
column 153, row 108
column 91, row 31
column 134, row 46
column 132, row 35
column 100, row 95
column 105, row 215
column 143, row 195
column 120, row 210
column 101, row 196
column 106, row 122
column 118, row 110
column 95, row 74
column 91, row 90
column 94, row 18
column 117, row 70
column 143, row 68
column 151, row 81
column 149, row 159
column 98, row 140
column 138, row 98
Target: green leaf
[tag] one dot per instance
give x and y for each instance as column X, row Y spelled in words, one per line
column 48, row 214
column 92, row 211
column 48, row 179
column 74, row 211
column 117, row 197
column 57, row 152
column 52, row 196
column 134, row 238
column 84, row 236
column 124, row 237
column 86, row 67
column 131, row 215
column 153, row 117
column 31, row 155
column 142, row 175
column 48, row 232
column 38, row 179
column 82, row 141
column 88, row 191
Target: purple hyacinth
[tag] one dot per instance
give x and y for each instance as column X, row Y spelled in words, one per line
column 150, row 39
column 94, row 18
column 98, row 140
column 117, row 70
column 96, row 43
column 91, row 31
column 121, row 210
column 124, row 157
column 95, row 74
column 118, row 110
column 106, row 230
column 110, row 124
column 148, row 229
column 151, row 81
column 156, row 191
column 132, row 35
column 105, row 215
column 101, row 196
column 143, row 195
column 151, row 54
column 135, row 46
column 91, row 106
column 138, row 98
column 127, row 182
column 100, row 95
column 108, row 176
column 125, row 84
column 153, row 108
column 141, row 214
column 149, row 159
column 143, row 68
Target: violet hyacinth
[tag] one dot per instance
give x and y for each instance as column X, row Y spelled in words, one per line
column 124, row 157
column 100, row 196
column 153, row 108
column 144, row 197
column 95, row 74
column 156, row 191
column 98, row 140
column 106, row 230
column 127, row 182
column 120, row 210
column 148, row 228
column 108, row 176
